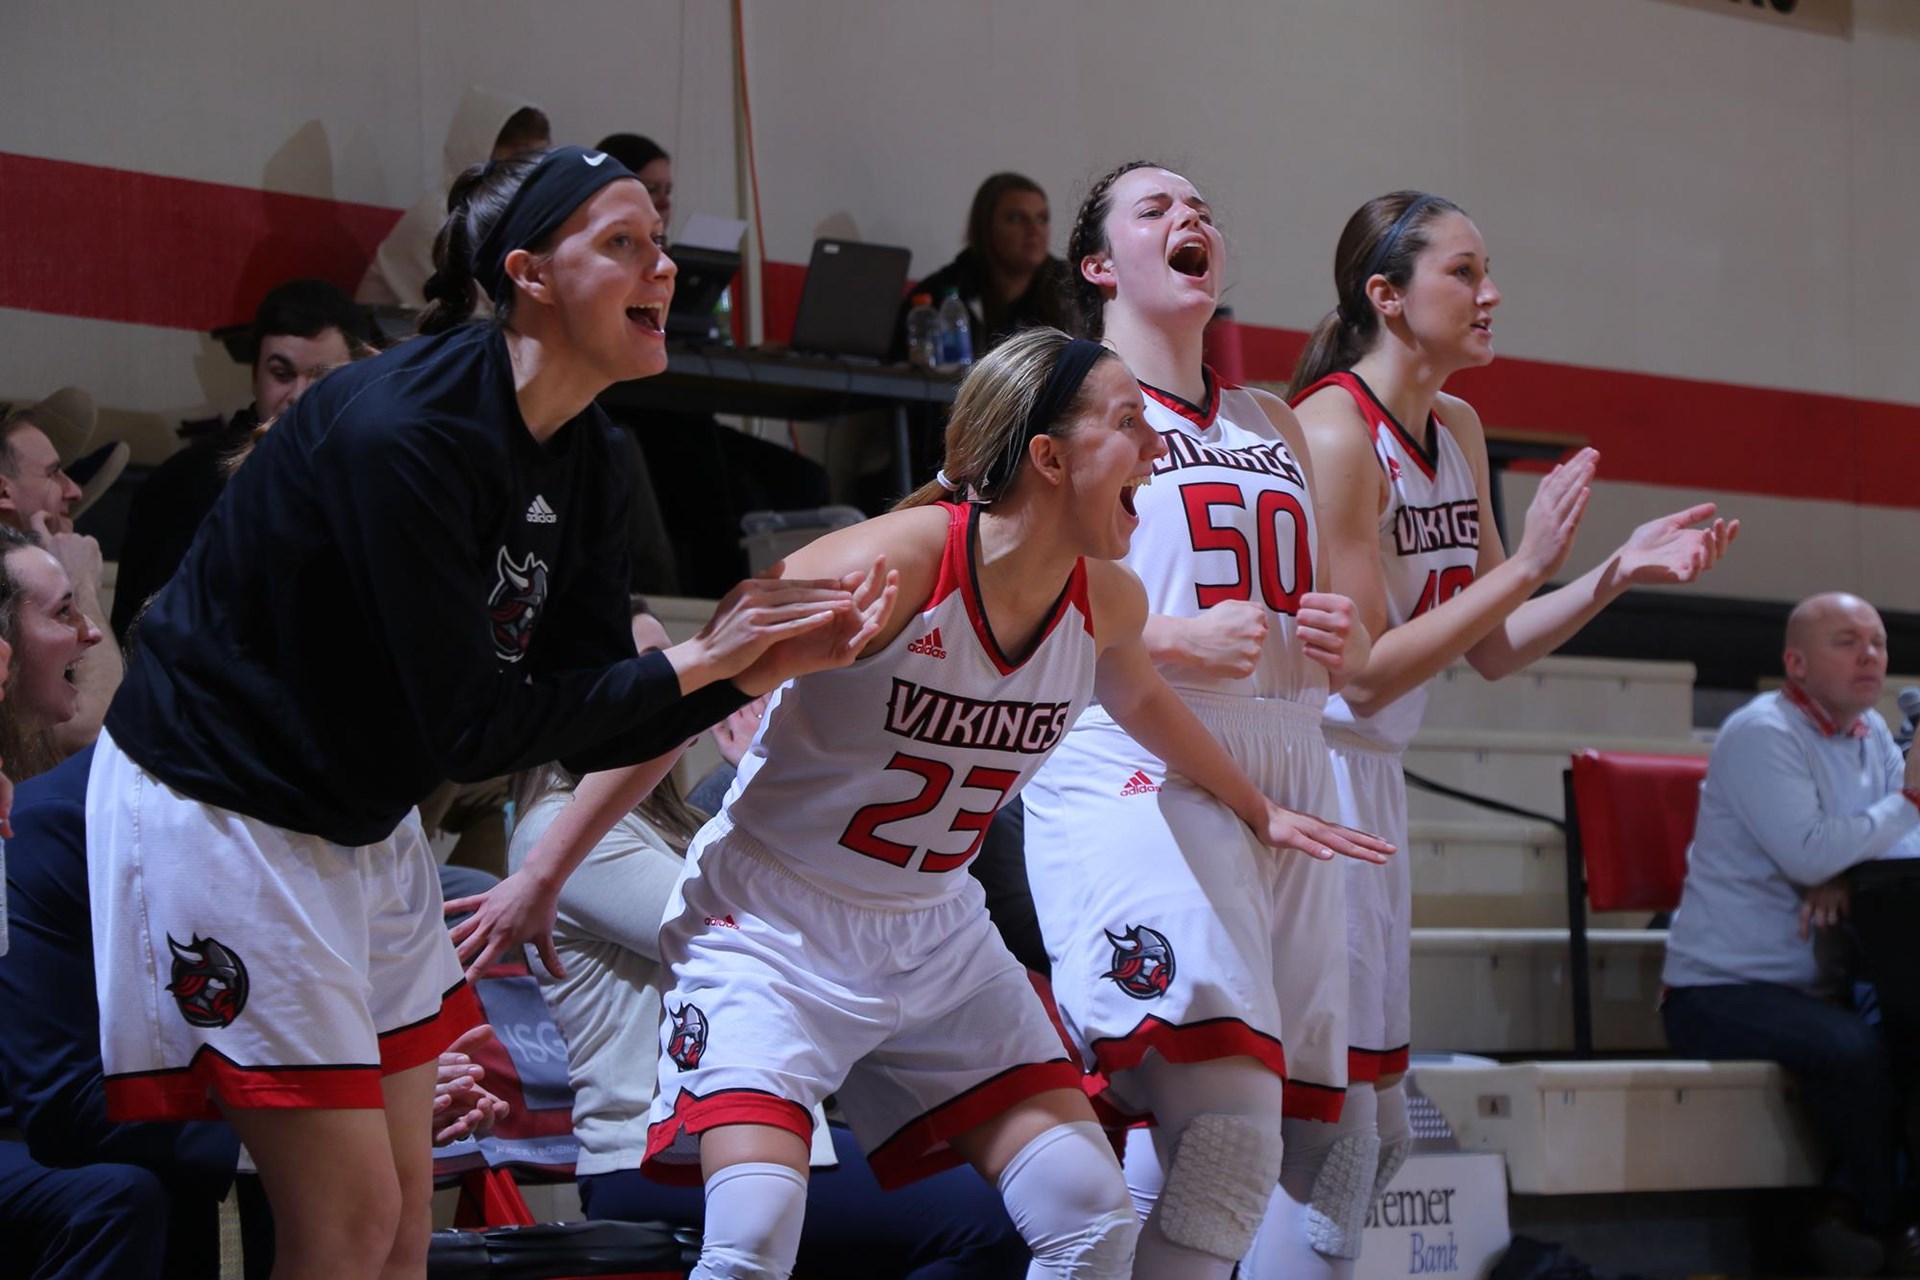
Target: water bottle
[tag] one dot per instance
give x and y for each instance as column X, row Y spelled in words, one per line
column 923, row 332
column 955, row 345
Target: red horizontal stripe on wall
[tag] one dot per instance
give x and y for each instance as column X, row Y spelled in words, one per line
column 1653, row 429
column 782, row 282
column 112, row 244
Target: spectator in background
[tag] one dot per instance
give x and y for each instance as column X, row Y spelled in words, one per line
column 50, row 636
column 710, row 474
column 1803, row 784
column 486, row 126
column 302, row 329
column 38, row 499
column 1007, row 274
column 650, row 163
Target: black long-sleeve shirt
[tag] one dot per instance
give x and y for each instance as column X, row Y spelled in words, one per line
column 402, row 586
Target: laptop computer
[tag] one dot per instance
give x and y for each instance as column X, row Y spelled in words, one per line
column 850, row 298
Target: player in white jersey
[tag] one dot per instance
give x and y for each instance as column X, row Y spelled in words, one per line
column 1204, row 977
column 825, row 938
column 1407, row 526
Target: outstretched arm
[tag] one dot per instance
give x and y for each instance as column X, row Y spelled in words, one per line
column 1141, row 702
column 1676, row 548
column 522, row 907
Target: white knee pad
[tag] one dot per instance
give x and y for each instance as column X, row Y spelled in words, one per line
column 1342, row 1193
column 1065, row 1194
column 1396, row 1135
column 1222, row 1173
column 754, row 1215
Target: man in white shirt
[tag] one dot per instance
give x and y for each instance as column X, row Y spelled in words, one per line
column 1803, row 784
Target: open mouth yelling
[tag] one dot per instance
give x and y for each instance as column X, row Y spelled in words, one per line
column 1191, row 259
column 1129, row 489
column 649, row 317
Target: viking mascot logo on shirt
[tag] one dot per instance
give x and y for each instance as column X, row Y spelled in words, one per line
column 209, row 982
column 515, row 603
column 1142, row 962
column 689, row 1037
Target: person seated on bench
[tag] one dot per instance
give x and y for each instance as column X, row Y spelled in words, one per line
column 1803, row 783
column 607, row 1006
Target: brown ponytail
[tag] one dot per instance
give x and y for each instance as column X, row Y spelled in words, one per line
column 478, row 198
column 990, row 416
column 1375, row 242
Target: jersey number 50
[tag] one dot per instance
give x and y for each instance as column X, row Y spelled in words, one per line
column 1281, row 556
column 862, row 833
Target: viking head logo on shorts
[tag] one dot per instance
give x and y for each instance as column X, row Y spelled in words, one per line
column 209, row 982
column 1142, row 962
column 515, row 604
column 689, row 1037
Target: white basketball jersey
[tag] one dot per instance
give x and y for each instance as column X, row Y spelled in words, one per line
column 1227, row 517
column 1429, row 541
column 880, row 778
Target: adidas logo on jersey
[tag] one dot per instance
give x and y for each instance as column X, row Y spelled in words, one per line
column 538, row 512
column 1139, row 784
column 928, row 644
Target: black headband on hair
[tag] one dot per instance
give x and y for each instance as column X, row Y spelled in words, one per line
column 1069, row 371
column 1378, row 258
column 563, row 181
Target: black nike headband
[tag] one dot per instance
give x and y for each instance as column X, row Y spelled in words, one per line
column 1063, row 383
column 565, row 179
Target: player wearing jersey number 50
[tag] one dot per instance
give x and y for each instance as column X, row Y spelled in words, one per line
column 419, row 574
column 825, row 931
column 1204, row 976
column 1408, row 527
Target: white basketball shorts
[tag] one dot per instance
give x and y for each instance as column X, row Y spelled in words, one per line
column 244, row 965
column 782, row 993
column 1170, row 927
column 1373, row 797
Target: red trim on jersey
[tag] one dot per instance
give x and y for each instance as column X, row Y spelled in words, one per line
column 1199, row 416
column 188, row 1093
column 417, row 1043
column 953, row 554
column 1074, row 592
column 919, row 1148
column 1343, row 381
column 695, row 1114
column 1077, row 594
column 1427, row 457
column 1216, row 1038
column 1364, row 1066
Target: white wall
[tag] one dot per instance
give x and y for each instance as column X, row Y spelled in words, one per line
column 1664, row 189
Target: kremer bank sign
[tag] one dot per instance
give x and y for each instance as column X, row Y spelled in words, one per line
column 1443, row 1215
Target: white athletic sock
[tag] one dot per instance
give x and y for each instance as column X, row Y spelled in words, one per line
column 754, row 1215
column 1065, row 1195
column 1145, row 1174
column 1396, row 1132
